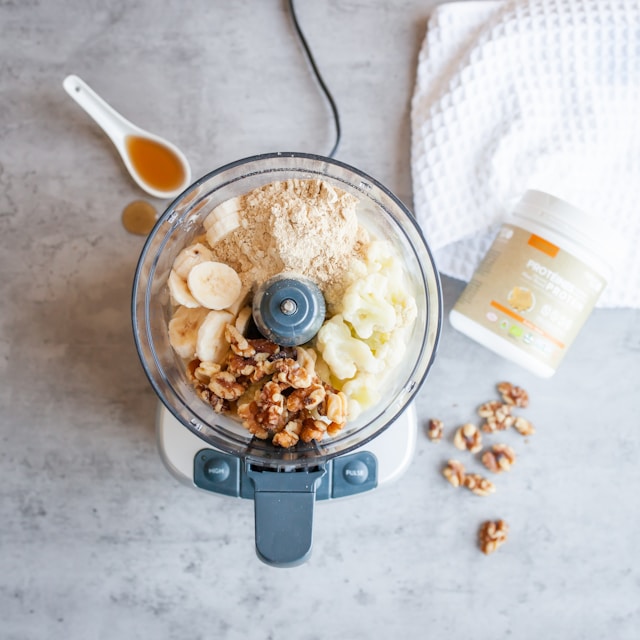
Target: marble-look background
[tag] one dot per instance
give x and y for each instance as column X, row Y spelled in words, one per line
column 97, row 540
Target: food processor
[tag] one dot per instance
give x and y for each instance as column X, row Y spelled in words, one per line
column 214, row 451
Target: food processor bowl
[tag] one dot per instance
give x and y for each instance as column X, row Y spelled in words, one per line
column 284, row 478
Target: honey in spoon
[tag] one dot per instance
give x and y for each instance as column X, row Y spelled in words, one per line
column 156, row 164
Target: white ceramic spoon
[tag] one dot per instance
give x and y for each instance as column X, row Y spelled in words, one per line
column 121, row 132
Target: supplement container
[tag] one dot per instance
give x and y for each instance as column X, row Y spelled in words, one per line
column 538, row 283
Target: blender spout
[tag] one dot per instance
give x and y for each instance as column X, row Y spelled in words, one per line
column 283, row 511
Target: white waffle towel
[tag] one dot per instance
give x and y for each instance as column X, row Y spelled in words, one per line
column 521, row 94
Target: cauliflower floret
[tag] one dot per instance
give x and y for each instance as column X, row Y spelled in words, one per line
column 344, row 354
column 364, row 306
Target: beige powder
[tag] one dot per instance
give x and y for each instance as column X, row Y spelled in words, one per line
column 301, row 226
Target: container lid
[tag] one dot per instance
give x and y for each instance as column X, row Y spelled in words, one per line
column 579, row 226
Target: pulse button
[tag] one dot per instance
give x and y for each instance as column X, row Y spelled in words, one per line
column 355, row 472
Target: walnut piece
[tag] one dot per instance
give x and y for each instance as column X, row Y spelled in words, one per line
column 312, row 430
column 478, row 484
column 289, row 371
column 238, row 343
column 205, row 370
column 336, row 407
column 289, row 436
column 497, row 416
column 218, row 404
column 308, row 398
column 499, row 458
column 454, row 473
column 511, row 394
column 468, row 437
column 523, row 426
column 435, row 430
column 492, row 535
column 224, row 385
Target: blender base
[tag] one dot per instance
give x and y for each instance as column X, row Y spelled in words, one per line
column 380, row 461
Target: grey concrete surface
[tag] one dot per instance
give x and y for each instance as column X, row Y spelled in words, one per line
column 97, row 540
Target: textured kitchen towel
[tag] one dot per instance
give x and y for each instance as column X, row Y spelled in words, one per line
column 521, row 94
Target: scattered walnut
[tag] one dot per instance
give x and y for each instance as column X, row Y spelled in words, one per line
column 254, row 370
column 336, row 407
column 499, row 458
column 306, row 358
column 289, row 371
column 224, row 385
column 514, row 395
column 289, row 436
column 247, row 412
column 205, row 370
column 497, row 416
column 468, row 437
column 312, row 430
column 454, row 473
column 435, row 430
column 523, row 426
column 270, row 405
column 191, row 370
column 239, row 344
column 265, row 349
column 478, row 484
column 308, row 398
column 218, row 404
column 492, row 535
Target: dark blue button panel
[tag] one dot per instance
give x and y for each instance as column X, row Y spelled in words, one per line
column 347, row 475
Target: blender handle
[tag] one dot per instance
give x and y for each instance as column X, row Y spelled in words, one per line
column 283, row 512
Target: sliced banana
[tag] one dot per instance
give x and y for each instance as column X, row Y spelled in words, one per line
column 183, row 330
column 224, row 219
column 189, row 257
column 243, row 319
column 226, row 208
column 211, row 345
column 221, row 228
column 214, row 285
column 179, row 291
column 240, row 301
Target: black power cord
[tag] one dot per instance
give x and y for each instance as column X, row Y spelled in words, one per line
column 321, row 82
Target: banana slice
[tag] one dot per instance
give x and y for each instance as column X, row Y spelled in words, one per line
column 211, row 345
column 243, row 319
column 227, row 208
column 222, row 228
column 183, row 330
column 224, row 219
column 179, row 291
column 214, row 285
column 189, row 257
column 240, row 301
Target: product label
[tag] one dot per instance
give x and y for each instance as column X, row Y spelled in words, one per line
column 532, row 293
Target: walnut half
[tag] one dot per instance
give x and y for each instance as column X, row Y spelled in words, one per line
column 435, row 430
column 492, row 535
column 512, row 394
column 499, row 458
column 454, row 473
column 497, row 416
column 479, row 485
column 468, row 437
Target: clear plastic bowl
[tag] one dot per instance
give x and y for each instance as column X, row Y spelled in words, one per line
column 379, row 210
